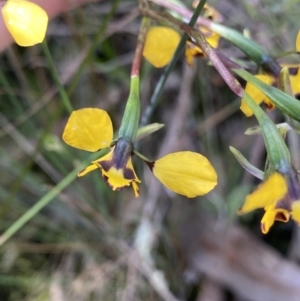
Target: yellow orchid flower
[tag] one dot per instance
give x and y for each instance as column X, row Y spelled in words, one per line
column 192, row 51
column 26, row 21
column 280, row 198
column 259, row 97
column 116, row 167
column 90, row 129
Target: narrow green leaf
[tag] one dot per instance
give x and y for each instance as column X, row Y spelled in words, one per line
column 284, row 83
column 252, row 49
column 277, row 150
column 148, row 130
column 282, row 127
column 246, row 164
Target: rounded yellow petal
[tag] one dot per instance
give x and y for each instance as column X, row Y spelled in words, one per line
column 26, row 21
column 186, row 173
column 266, row 194
column 298, row 42
column 89, row 129
column 255, row 94
column 160, row 45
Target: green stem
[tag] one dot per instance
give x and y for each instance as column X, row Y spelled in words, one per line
column 63, row 94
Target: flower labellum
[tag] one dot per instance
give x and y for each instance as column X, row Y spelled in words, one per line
column 26, row 21
column 116, row 167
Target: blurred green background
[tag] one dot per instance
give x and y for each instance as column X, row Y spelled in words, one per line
column 90, row 243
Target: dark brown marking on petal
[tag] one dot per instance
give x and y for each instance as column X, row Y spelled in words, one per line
column 106, row 165
column 297, row 96
column 150, row 165
column 262, row 227
column 293, row 70
column 128, row 174
column 293, row 185
column 284, row 204
column 269, row 106
column 280, row 216
column 198, row 55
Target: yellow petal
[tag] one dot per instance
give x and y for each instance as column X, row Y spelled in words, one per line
column 298, row 42
column 26, row 21
column 87, row 170
column 296, row 211
column 160, row 45
column 192, row 51
column 295, row 82
column 213, row 39
column 266, row 194
column 186, row 173
column 271, row 215
column 255, row 94
column 269, row 104
column 89, row 129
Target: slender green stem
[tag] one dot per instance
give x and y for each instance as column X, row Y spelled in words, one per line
column 63, row 94
column 159, row 87
column 44, row 201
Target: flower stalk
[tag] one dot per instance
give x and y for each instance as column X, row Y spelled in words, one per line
column 131, row 117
